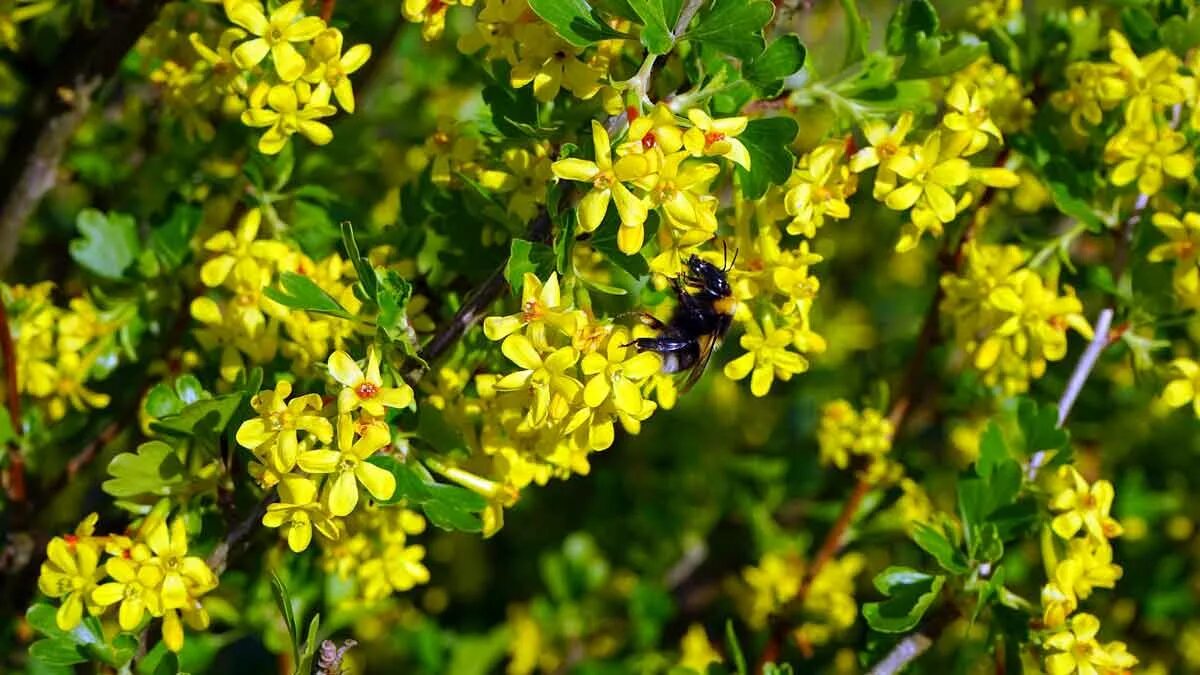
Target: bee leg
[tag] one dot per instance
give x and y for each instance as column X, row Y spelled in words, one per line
column 651, row 321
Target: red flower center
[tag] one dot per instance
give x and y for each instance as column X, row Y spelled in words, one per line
column 712, row 137
column 649, row 140
column 366, row 390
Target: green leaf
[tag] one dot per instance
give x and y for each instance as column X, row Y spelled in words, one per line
column 910, row 594
column 109, row 244
column 1039, row 426
column 409, row 486
column 528, row 256
column 169, row 663
column 57, row 652
column 735, row 648
column 574, row 21
column 910, row 20
column 564, row 242
column 913, row 33
column 734, row 27
column 154, row 469
column 771, row 160
column 362, row 268
column 781, row 59
column 283, row 600
column 938, row 545
column 41, row 616
column 1180, row 34
column 992, row 450
column 449, row 507
column 604, row 240
column 392, row 295
column 858, row 34
column 658, row 19
column 300, row 292
column 1076, row 207
column 170, row 241
column 514, row 111
column 451, row 519
column 304, row 664
column 210, row 414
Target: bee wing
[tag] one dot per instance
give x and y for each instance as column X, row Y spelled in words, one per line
column 708, row 345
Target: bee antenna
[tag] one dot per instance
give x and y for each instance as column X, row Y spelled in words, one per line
column 732, row 262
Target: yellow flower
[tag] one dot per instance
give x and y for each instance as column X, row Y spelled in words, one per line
column 274, row 433
column 608, row 183
column 366, row 390
column 275, row 35
column 286, row 117
column 133, row 586
column 552, row 387
column 1093, row 89
column 931, row 179
column 818, row 188
column 716, row 138
column 767, row 356
column 431, row 14
column 679, row 192
column 71, row 572
column 184, row 577
column 332, row 70
column 541, row 306
column 1182, row 389
column 656, row 130
column 227, row 77
column 231, row 248
column 618, row 371
column 349, row 467
column 1146, row 156
column 1084, row 507
column 696, row 652
column 1088, row 565
column 885, row 143
column 772, row 583
column 969, row 119
column 1079, row 653
column 550, row 64
column 298, row 511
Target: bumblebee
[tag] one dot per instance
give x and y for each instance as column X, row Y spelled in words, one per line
column 699, row 323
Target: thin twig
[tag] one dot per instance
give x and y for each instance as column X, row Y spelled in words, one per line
column 219, row 558
column 327, row 9
column 916, row 643
column 1086, row 362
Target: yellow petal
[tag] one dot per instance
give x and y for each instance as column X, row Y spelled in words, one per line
column 343, row 494
column 379, row 481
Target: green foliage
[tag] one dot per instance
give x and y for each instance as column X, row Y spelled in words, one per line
column 108, row 244
column 771, row 161
column 300, row 292
column 910, row 594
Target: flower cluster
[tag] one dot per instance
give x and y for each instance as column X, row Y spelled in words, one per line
column 246, row 326
column 509, row 30
column 278, row 70
column 147, row 575
column 930, row 178
column 376, row 553
column 828, row 606
column 1009, row 319
column 1083, row 528
column 653, row 171
column 863, row 439
column 59, row 349
column 318, row 471
column 1147, row 150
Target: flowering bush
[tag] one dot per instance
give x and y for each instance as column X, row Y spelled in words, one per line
column 362, row 336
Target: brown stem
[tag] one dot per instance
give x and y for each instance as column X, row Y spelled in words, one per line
column 327, row 9
column 14, row 480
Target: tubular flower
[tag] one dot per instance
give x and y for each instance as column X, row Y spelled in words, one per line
column 71, row 572
column 1081, row 506
column 930, row 179
column 608, row 183
column 767, row 356
column 274, row 34
column 1080, row 653
column 885, row 143
column 1182, row 246
column 1183, row 387
column 969, row 119
column 551, row 64
column 366, row 390
column 552, row 388
column 230, row 248
column 618, row 371
column 677, row 191
column 1147, row 156
column 275, row 433
column 298, row 511
column 184, row 577
column 133, row 586
column 716, row 138
column 541, row 306
column 348, row 467
column 285, row 117
column 331, row 68
column 657, row 129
